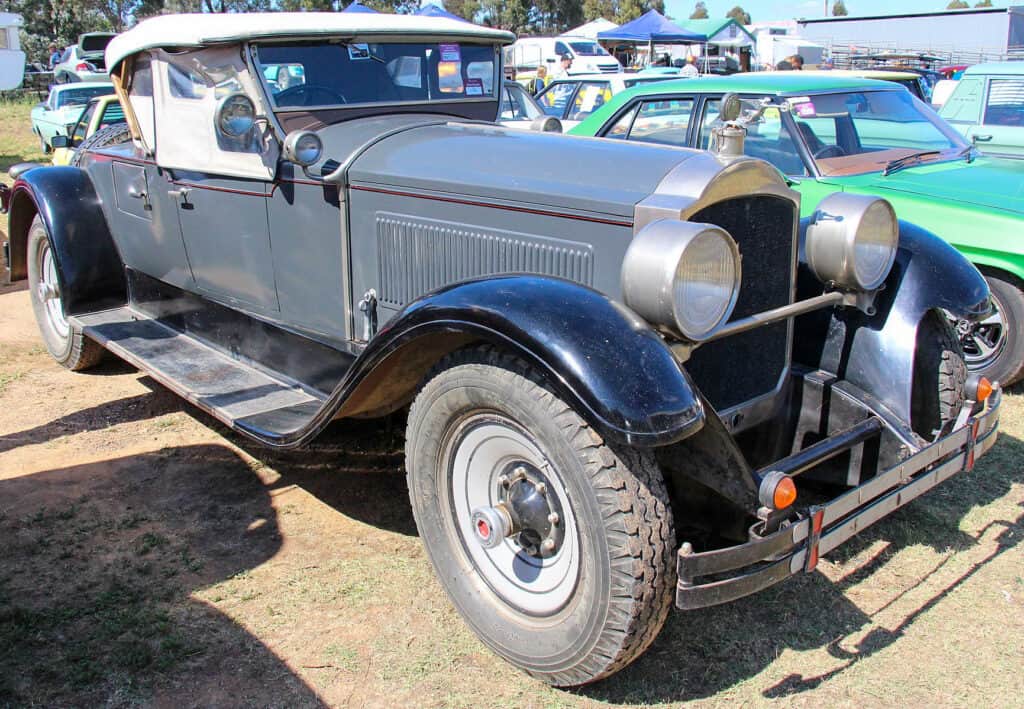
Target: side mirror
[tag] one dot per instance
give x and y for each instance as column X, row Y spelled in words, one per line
column 236, row 115
column 60, row 141
column 730, row 107
column 546, row 124
column 549, row 60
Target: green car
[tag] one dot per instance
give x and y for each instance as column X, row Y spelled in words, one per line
column 829, row 134
column 987, row 106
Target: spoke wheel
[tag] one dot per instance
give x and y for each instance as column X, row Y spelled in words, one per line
column 994, row 346
column 984, row 340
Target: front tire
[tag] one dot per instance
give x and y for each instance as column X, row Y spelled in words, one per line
column 940, row 378
column 994, row 347
column 571, row 600
column 65, row 342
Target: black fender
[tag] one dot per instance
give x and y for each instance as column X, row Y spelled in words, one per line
column 89, row 268
column 876, row 352
column 597, row 355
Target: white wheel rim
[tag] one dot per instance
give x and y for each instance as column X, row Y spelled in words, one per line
column 49, row 294
column 481, row 449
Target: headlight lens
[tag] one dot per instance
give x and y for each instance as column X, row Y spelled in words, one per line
column 852, row 241
column 303, row 147
column 682, row 277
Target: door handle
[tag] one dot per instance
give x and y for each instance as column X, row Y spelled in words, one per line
column 183, row 193
column 137, row 192
column 981, row 138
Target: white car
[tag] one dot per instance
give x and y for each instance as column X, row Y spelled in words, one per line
column 570, row 99
column 520, row 110
column 84, row 61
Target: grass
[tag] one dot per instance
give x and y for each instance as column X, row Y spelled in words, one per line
column 17, row 142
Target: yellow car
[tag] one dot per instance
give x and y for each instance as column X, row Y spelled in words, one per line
column 101, row 112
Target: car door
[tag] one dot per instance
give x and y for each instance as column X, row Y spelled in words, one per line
column 1002, row 124
column 219, row 184
column 963, row 107
column 557, row 99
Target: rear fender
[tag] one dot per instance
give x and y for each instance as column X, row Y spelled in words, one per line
column 876, row 352
column 90, row 270
column 599, row 356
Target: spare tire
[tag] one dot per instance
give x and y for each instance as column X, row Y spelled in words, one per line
column 111, row 135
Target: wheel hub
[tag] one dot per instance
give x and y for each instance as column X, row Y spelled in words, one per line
column 526, row 512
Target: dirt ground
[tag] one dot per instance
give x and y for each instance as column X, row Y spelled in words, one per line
column 148, row 556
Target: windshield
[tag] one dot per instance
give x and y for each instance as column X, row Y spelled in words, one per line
column 588, row 49
column 339, row 74
column 855, row 133
column 516, row 105
column 80, row 97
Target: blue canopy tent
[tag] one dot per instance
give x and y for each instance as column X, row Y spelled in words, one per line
column 649, row 29
column 357, row 6
column 433, row 10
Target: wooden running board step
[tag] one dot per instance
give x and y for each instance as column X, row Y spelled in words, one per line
column 237, row 393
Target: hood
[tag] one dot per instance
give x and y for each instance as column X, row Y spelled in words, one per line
column 520, row 167
column 992, row 183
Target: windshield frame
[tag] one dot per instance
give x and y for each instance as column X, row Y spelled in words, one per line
column 953, row 152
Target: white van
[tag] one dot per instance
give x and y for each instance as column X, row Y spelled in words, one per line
column 12, row 59
column 588, row 57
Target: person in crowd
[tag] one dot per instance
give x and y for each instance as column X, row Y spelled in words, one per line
column 784, row 65
column 54, row 55
column 690, row 70
column 563, row 67
column 828, row 64
column 538, row 82
column 797, row 62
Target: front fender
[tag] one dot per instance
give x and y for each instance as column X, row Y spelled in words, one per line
column 599, row 356
column 876, row 353
column 89, row 267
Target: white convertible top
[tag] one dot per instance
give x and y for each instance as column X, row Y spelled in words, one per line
column 199, row 30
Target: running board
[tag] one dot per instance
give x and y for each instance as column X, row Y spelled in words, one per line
column 235, row 392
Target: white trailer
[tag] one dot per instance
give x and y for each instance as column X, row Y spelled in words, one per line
column 12, row 59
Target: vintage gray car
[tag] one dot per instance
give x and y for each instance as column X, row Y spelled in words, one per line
column 636, row 382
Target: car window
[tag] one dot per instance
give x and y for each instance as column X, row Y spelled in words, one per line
column 516, row 105
column 83, row 124
column 65, row 56
column 554, row 100
column 194, row 83
column 112, row 114
column 561, row 48
column 664, row 122
column 964, row 106
column 769, row 139
column 283, row 76
column 588, row 49
column 710, row 116
column 620, row 128
column 339, row 74
column 591, row 96
column 80, row 97
column 1005, row 105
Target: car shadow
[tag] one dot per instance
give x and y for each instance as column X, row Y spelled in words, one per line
column 97, row 571
column 702, row 653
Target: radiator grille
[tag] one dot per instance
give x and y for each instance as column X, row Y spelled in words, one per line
column 416, row 256
column 744, row 366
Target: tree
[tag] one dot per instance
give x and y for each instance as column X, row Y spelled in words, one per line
column 839, row 9
column 739, row 14
column 957, row 5
column 983, row 3
column 465, row 9
column 700, row 11
column 593, row 9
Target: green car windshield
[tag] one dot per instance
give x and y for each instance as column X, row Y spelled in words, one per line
column 868, row 131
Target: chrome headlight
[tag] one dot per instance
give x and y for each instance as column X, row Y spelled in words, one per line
column 852, row 240
column 682, row 277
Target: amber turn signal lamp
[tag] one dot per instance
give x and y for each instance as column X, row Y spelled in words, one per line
column 785, row 494
column 984, row 389
column 777, row 491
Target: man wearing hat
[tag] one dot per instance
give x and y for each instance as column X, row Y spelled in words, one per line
column 563, row 68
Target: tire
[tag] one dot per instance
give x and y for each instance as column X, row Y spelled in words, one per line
column 598, row 599
column 65, row 342
column 940, row 378
column 994, row 347
column 111, row 135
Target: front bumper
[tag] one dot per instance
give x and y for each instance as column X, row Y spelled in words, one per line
column 747, row 568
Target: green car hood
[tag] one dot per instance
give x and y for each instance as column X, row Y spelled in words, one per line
column 992, row 183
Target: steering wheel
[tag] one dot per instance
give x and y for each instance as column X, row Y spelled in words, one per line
column 829, row 151
column 308, row 95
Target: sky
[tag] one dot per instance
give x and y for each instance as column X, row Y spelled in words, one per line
column 764, row 10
